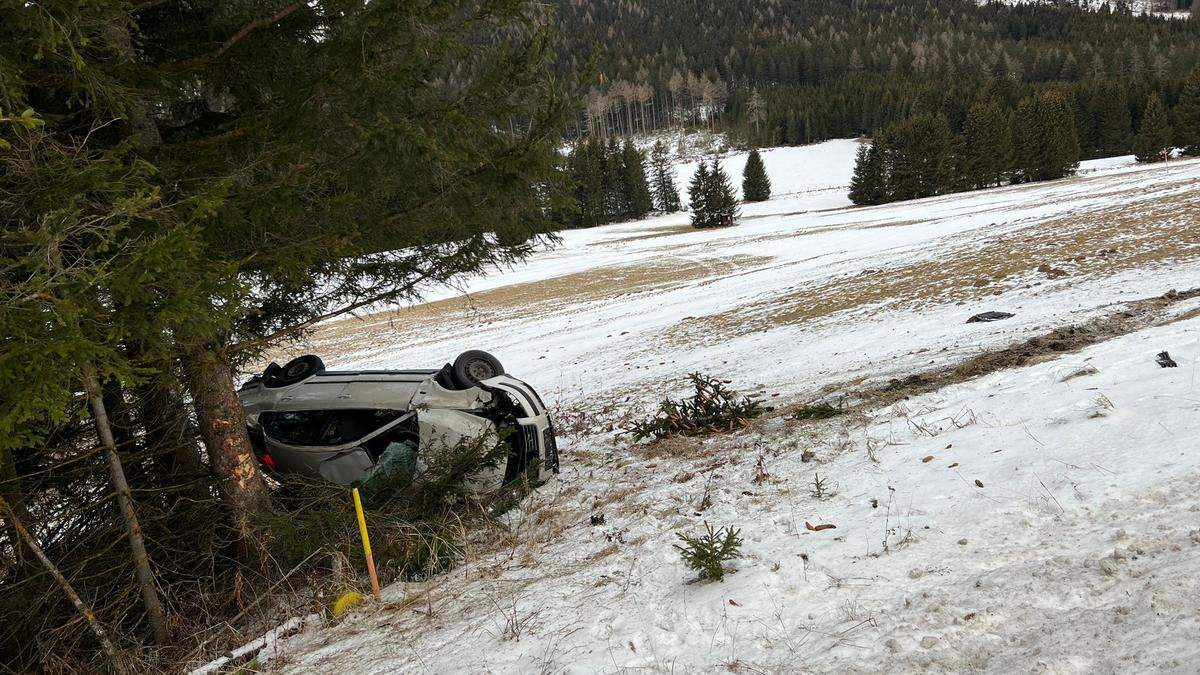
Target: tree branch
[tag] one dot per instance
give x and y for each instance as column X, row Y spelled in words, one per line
column 345, row 309
column 205, row 59
column 106, row 643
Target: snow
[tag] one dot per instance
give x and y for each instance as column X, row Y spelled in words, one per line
column 623, row 308
column 1055, row 528
column 1076, row 556
column 812, row 177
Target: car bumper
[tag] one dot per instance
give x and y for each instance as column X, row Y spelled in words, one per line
column 538, row 433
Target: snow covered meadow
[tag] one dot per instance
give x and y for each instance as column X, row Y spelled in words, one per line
column 806, row 291
column 1042, row 517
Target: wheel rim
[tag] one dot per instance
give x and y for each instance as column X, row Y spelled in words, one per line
column 480, row 370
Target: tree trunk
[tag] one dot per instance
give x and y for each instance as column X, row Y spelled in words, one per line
column 222, row 424
column 141, row 561
column 102, row 635
column 170, row 436
column 125, row 440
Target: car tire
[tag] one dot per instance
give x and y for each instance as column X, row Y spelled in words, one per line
column 297, row 370
column 473, row 366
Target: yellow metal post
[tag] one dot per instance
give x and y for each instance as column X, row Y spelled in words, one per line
column 366, row 542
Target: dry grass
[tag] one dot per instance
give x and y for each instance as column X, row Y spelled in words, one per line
column 508, row 303
column 1130, row 317
column 1095, row 243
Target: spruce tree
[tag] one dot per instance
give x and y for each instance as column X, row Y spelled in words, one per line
column 1187, row 112
column 215, row 177
column 714, row 203
column 635, row 188
column 721, row 200
column 1045, row 140
column 919, row 157
column 616, row 201
column 698, row 197
column 960, row 175
column 987, row 145
column 1112, row 123
column 1026, row 135
column 868, row 184
column 666, row 195
column 756, row 186
column 586, row 167
column 1154, row 133
column 1062, row 139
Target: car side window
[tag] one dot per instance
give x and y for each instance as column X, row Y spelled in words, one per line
column 324, row 427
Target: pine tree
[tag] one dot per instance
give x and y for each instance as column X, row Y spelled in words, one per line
column 666, row 195
column 1045, row 140
column 987, row 145
column 868, row 185
column 919, row 157
column 756, row 186
column 1154, row 133
column 714, row 203
column 1187, row 112
column 721, row 200
column 637, row 199
column 1112, row 123
column 698, row 197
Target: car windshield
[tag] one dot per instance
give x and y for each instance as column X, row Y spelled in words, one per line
column 324, row 427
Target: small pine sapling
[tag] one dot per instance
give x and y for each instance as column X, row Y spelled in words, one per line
column 821, row 488
column 707, row 553
column 760, row 471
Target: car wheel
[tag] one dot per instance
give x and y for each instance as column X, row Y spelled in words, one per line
column 472, row 367
column 298, row 369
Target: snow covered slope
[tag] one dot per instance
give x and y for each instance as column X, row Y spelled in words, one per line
column 1038, row 518
column 805, row 290
column 1043, row 519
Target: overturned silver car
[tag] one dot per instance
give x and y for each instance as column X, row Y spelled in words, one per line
column 350, row 426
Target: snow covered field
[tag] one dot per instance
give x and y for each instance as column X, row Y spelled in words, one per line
column 1041, row 518
column 804, row 291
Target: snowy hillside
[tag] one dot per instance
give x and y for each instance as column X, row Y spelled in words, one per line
column 1012, row 522
column 995, row 510
column 815, row 291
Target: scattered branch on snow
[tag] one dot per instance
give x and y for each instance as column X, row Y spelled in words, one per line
column 713, row 409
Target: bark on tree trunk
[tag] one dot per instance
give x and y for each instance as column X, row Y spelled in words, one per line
column 141, row 561
column 101, row 635
column 222, row 424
